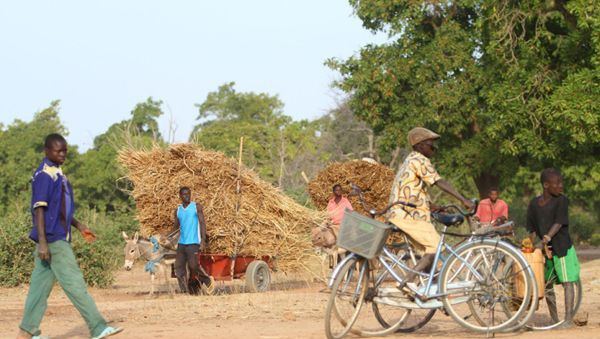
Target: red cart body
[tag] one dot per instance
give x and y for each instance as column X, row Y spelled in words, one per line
column 219, row 265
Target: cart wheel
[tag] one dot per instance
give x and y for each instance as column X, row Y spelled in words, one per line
column 258, row 276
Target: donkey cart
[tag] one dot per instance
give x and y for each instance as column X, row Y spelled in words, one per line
column 256, row 271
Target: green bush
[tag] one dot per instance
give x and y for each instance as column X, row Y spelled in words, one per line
column 595, row 240
column 583, row 224
column 98, row 260
column 16, row 250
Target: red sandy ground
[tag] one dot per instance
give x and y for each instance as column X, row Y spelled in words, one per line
column 291, row 310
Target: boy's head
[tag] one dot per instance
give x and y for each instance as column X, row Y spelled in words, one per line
column 337, row 190
column 493, row 194
column 55, row 148
column 185, row 194
column 552, row 181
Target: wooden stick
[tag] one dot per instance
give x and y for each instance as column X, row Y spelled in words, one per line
column 239, row 164
column 304, row 177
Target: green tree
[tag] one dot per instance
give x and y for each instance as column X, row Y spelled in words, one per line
column 21, row 150
column 512, row 87
column 98, row 178
column 227, row 115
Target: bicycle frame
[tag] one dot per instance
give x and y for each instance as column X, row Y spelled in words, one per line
column 387, row 254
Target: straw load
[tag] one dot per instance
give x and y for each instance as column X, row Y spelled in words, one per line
column 244, row 214
column 374, row 179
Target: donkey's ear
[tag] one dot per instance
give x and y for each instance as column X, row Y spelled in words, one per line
column 125, row 235
column 135, row 237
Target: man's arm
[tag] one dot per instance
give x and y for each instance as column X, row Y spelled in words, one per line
column 86, row 233
column 551, row 232
column 202, row 225
column 40, row 224
column 40, row 196
column 505, row 210
column 530, row 224
column 447, row 187
column 175, row 221
column 561, row 218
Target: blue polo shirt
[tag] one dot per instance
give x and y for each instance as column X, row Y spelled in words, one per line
column 50, row 188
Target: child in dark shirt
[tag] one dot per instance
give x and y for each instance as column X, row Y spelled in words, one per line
column 548, row 218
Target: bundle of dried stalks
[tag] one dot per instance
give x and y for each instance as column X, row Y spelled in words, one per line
column 374, row 179
column 244, row 214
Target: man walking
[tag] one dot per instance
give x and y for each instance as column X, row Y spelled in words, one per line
column 52, row 207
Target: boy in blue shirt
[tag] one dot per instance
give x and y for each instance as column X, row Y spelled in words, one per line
column 52, row 207
column 189, row 219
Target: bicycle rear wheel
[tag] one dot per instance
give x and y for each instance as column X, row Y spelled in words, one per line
column 477, row 289
column 544, row 319
column 346, row 298
column 504, row 269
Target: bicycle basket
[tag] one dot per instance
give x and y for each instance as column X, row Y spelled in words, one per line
column 362, row 235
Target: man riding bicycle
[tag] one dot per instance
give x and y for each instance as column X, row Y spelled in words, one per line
column 412, row 181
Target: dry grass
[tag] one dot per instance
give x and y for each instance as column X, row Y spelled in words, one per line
column 374, row 179
column 244, row 214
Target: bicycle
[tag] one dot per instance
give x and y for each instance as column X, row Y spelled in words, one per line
column 470, row 274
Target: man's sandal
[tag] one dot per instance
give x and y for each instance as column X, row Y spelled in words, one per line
column 108, row 331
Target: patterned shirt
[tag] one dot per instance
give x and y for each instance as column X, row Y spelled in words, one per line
column 410, row 185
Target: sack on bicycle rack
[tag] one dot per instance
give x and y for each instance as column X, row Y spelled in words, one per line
column 322, row 236
column 362, row 235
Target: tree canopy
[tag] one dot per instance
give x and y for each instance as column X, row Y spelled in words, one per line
column 512, row 87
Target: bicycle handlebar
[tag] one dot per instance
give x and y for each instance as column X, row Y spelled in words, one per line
column 461, row 211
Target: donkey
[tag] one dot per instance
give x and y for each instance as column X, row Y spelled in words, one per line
column 157, row 258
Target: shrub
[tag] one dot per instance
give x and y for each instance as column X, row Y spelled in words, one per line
column 98, row 260
column 583, row 224
column 595, row 240
column 16, row 250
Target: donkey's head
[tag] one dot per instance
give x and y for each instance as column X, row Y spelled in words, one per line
column 132, row 250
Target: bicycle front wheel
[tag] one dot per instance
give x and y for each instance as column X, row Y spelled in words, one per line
column 411, row 319
column 477, row 286
column 346, row 298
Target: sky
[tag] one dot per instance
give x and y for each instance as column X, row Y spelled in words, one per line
column 101, row 58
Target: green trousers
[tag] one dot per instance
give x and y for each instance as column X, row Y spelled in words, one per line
column 63, row 268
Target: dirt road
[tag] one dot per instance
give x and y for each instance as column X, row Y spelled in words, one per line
column 293, row 310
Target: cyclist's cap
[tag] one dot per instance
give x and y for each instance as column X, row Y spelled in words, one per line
column 418, row 134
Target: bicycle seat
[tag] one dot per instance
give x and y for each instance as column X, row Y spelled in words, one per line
column 448, row 219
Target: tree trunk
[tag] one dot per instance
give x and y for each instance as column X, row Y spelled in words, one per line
column 485, row 181
column 371, row 138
